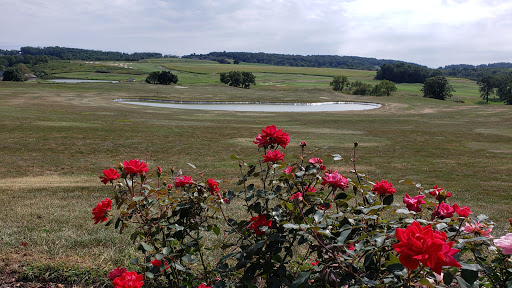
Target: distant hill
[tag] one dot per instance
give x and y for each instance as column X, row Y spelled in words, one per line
column 321, row 61
column 64, row 53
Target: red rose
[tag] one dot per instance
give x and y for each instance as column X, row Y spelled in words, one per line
column 303, row 144
column 109, row 175
column 156, row 263
column 311, row 190
column 184, row 180
column 117, row 272
column 413, row 204
column 426, row 246
column 128, row 280
column 463, row 212
column 213, row 186
column 297, row 195
column 383, row 188
column 135, row 167
column 335, row 180
column 443, row 210
column 257, row 222
column 100, row 211
column 271, row 136
column 273, row 156
column 202, row 285
column 288, row 170
column 158, row 171
column 439, row 193
column 316, row 161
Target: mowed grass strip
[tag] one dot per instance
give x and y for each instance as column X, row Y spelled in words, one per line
column 56, row 139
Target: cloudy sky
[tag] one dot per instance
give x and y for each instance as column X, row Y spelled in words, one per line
column 429, row 32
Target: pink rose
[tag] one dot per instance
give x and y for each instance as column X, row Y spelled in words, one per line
column 479, row 229
column 335, row 180
column 311, row 190
column 297, row 195
column 288, row 170
column 504, row 243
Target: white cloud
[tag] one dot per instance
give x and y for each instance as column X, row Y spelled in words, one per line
column 433, row 33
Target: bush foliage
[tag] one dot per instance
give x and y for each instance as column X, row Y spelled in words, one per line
column 300, row 224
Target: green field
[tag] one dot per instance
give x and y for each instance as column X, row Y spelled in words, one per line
column 56, row 138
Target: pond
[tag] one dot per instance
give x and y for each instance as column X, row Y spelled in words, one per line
column 81, row 81
column 256, row 106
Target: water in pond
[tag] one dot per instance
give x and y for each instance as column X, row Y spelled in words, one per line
column 81, row 81
column 257, row 106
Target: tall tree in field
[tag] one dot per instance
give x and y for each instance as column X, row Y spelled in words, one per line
column 13, row 74
column 339, row 82
column 437, row 88
column 384, row 87
column 487, row 84
column 504, row 89
column 247, row 79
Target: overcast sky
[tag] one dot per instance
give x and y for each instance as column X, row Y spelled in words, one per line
column 429, row 32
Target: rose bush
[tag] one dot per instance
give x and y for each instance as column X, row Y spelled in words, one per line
column 297, row 224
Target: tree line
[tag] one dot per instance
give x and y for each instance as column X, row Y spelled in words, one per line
column 383, row 88
column 321, row 61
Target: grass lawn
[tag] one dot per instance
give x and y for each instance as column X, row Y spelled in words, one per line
column 56, row 139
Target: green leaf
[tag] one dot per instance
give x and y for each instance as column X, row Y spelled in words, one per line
column 134, row 261
column 319, row 215
column 167, row 250
column 303, row 276
column 146, row 246
column 447, row 278
column 462, row 283
column 234, row 157
column 343, row 236
column 388, row 200
column 150, row 275
column 216, row 230
column 472, row 267
column 470, row 276
column 291, row 226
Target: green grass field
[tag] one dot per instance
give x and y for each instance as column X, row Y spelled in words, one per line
column 56, row 138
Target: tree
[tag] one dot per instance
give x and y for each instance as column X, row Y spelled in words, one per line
column 487, row 84
column 437, row 88
column 504, row 89
column 360, row 88
column 13, row 74
column 247, row 79
column 166, row 78
column 236, row 61
column 339, row 82
column 161, row 77
column 384, row 87
column 237, row 78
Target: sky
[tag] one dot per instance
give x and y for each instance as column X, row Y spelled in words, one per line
column 429, row 32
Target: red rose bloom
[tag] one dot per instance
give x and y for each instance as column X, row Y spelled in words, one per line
column 117, row 272
column 297, row 195
column 271, row 136
column 156, row 263
column 128, row 280
column 109, row 175
column 426, row 246
column 213, row 186
column 184, row 180
column 439, row 193
column 100, row 211
column 311, row 190
column 288, row 170
column 443, row 210
column 202, row 285
column 316, row 161
column 257, row 222
column 383, row 188
column 135, row 167
column 413, row 204
column 463, row 212
column 335, row 180
column 273, row 156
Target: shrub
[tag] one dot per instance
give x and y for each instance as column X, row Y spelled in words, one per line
column 302, row 225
